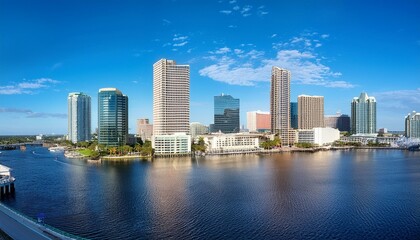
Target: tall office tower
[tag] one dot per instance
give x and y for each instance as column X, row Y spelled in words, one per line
column 280, row 103
column 112, row 117
column 363, row 115
column 144, row 129
column 294, row 115
column 338, row 121
column 226, row 114
column 79, row 119
column 310, row 111
column 171, row 98
column 412, row 125
column 258, row 121
column 197, row 128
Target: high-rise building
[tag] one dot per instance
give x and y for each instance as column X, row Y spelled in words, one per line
column 197, row 128
column 144, row 129
column 310, row 112
column 171, row 97
column 79, row 119
column 280, row 103
column 412, row 125
column 112, row 117
column 258, row 121
column 338, row 121
column 294, row 115
column 226, row 114
column 363, row 115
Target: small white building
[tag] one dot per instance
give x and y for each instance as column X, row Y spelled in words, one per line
column 318, row 136
column 178, row 143
column 234, row 142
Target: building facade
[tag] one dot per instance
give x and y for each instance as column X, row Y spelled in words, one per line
column 319, row 136
column 412, row 125
column 79, row 117
column 294, row 115
column 226, row 114
column 363, row 114
column 258, row 121
column 310, row 112
column 177, row 143
column 171, row 97
column 338, row 121
column 144, row 129
column 197, row 128
column 112, row 117
column 231, row 143
column 280, row 103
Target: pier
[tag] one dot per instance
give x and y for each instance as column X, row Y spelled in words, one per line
column 7, row 182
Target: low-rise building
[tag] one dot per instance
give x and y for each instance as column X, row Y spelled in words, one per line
column 318, row 136
column 197, row 128
column 239, row 142
column 178, row 143
column 144, row 129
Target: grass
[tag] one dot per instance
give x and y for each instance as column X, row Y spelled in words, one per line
column 86, row 152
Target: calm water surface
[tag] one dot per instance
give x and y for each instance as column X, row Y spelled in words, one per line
column 326, row 195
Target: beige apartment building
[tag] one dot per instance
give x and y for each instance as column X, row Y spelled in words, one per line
column 144, row 129
column 310, row 112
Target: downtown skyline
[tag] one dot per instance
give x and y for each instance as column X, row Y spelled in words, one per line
column 335, row 50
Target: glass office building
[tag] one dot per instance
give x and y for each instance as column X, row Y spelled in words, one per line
column 112, row 117
column 294, row 115
column 363, row 115
column 226, row 114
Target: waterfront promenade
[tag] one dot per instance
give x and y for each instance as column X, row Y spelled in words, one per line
column 19, row 227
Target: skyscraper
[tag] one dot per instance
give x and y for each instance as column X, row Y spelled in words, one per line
column 171, row 97
column 79, row 119
column 412, row 125
column 338, row 121
column 294, row 115
column 112, row 117
column 310, row 111
column 144, row 129
column 280, row 103
column 363, row 115
column 258, row 121
column 226, row 114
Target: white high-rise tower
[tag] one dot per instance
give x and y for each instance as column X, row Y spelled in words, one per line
column 171, row 98
column 280, row 103
column 79, row 119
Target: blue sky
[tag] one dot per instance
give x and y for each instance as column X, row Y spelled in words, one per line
column 333, row 48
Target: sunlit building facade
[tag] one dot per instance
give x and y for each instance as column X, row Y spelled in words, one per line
column 310, row 112
column 79, row 117
column 412, row 125
column 226, row 114
column 363, row 114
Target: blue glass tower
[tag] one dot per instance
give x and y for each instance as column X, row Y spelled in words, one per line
column 226, row 114
column 294, row 115
column 112, row 117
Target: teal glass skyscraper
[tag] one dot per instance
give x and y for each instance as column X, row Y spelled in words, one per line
column 79, row 120
column 112, row 117
column 294, row 115
column 363, row 115
column 226, row 114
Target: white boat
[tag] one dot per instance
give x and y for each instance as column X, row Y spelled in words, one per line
column 56, row 149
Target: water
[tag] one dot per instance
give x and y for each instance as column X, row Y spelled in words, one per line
column 370, row 194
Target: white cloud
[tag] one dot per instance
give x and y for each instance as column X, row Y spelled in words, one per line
column 236, row 8
column 180, row 44
column 325, row 36
column 318, row 45
column 232, row 1
column 227, row 12
column 408, row 100
column 274, row 35
column 247, row 69
column 222, row 50
column 232, row 26
column 245, row 10
column 180, row 38
column 30, row 114
column 27, row 87
column 166, row 22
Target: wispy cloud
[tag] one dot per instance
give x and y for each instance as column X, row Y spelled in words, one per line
column 178, row 41
column 232, row 26
column 274, row 35
column 325, row 36
column 166, row 22
column 30, row 114
column 180, row 44
column 27, row 87
column 227, row 12
column 232, row 1
column 246, row 10
column 408, row 100
column 248, row 67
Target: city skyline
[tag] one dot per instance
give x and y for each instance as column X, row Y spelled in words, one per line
column 335, row 50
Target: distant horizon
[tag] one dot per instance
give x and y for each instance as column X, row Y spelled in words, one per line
column 333, row 49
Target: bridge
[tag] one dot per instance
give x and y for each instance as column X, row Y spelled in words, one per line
column 17, row 145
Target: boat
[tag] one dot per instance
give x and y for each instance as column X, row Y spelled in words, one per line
column 56, row 149
column 414, row 148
